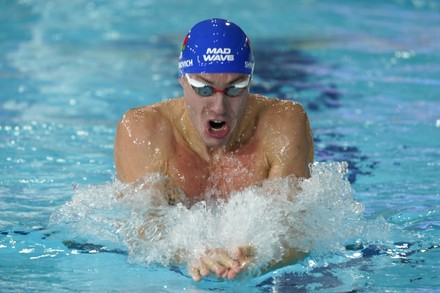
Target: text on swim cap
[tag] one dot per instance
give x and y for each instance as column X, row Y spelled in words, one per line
column 185, row 63
column 218, row 54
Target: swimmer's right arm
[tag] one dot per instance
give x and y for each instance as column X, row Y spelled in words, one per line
column 140, row 144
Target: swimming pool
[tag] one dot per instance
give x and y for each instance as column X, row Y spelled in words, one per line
column 366, row 71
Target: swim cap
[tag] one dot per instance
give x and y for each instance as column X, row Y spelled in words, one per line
column 216, row 46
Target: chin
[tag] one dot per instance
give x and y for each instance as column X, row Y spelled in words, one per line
column 215, row 142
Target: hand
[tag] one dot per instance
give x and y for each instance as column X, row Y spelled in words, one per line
column 222, row 263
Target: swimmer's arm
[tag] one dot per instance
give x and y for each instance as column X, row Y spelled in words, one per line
column 290, row 145
column 246, row 254
column 290, row 257
column 140, row 144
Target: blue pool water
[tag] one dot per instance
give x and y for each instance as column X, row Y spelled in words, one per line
column 367, row 72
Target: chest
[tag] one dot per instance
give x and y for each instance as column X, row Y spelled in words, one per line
column 219, row 176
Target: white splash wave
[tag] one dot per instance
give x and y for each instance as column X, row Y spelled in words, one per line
column 314, row 215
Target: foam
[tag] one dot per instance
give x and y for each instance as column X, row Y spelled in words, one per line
column 315, row 215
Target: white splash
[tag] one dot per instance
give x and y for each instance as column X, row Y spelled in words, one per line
column 315, row 215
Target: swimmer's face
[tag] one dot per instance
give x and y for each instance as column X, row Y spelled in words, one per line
column 216, row 116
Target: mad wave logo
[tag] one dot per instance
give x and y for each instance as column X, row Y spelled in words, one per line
column 218, row 54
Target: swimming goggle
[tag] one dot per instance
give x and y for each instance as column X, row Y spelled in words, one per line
column 205, row 90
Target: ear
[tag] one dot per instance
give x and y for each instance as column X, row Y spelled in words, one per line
column 181, row 80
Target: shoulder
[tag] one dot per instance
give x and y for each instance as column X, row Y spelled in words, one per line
column 280, row 114
column 147, row 129
column 144, row 140
column 287, row 138
column 138, row 117
column 148, row 121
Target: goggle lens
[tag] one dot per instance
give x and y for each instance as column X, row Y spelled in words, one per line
column 205, row 90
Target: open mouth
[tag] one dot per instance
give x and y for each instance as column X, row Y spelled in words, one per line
column 217, row 128
column 216, row 125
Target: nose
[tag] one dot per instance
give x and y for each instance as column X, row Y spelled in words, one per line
column 218, row 103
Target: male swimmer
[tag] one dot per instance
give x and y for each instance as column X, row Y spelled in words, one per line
column 218, row 137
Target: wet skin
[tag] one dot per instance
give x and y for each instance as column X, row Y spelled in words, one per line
column 218, row 143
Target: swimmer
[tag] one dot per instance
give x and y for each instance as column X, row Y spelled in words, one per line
column 217, row 137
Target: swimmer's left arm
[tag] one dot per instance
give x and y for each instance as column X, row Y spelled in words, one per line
column 290, row 152
column 246, row 254
column 290, row 257
column 289, row 139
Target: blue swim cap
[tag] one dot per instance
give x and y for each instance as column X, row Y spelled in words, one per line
column 216, row 46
